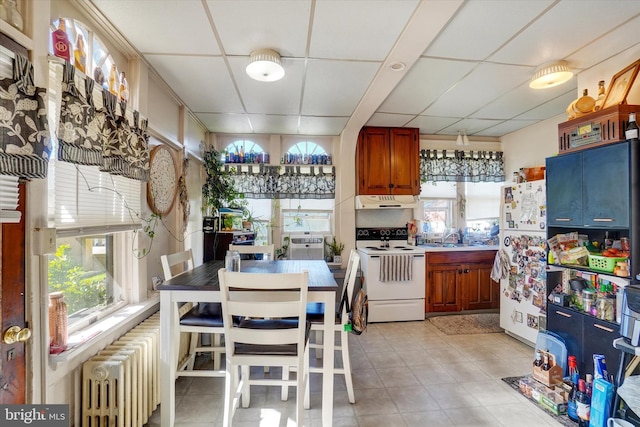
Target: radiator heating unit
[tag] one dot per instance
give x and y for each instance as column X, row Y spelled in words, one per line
column 120, row 384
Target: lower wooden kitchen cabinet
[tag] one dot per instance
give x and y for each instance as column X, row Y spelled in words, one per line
column 460, row 280
column 585, row 336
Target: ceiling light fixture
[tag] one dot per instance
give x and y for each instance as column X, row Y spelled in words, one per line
column 465, row 138
column 550, row 75
column 459, row 140
column 265, row 66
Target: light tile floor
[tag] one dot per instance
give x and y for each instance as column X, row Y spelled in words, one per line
column 405, row 374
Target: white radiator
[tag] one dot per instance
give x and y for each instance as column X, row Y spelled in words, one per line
column 121, row 384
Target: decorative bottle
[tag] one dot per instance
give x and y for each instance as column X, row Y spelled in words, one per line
column 79, row 55
column 124, row 87
column 600, row 98
column 113, row 80
column 574, row 376
column 57, row 323
column 583, row 404
column 631, row 133
column 60, row 41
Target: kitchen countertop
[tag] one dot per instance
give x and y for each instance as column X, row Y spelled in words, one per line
column 450, row 247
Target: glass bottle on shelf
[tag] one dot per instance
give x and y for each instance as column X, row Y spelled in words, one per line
column 113, row 80
column 79, row 54
column 538, row 361
column 124, row 87
column 631, row 133
column 600, row 98
column 574, row 376
column 545, row 364
column 15, row 17
column 60, row 41
column 583, row 404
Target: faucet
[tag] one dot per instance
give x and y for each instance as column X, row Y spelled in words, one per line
column 451, row 236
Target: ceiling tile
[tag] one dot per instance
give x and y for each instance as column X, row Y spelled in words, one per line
column 310, row 125
column 247, row 25
column 522, row 99
column 549, row 109
column 155, row 33
column 225, row 123
column 432, row 125
column 191, row 78
column 334, row 88
column 279, row 97
column 389, row 120
column 550, row 38
column 418, row 88
column 470, row 126
column 461, row 38
column 506, row 127
column 363, row 30
column 485, row 83
column 274, row 124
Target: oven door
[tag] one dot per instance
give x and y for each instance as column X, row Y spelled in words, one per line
column 393, row 290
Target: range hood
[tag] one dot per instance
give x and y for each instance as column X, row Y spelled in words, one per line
column 385, row 202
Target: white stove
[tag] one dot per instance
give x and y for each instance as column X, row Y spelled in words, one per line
column 393, row 274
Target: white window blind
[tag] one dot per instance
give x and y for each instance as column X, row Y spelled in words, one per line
column 483, row 200
column 9, row 193
column 82, row 199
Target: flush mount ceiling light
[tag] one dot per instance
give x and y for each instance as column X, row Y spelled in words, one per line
column 265, row 66
column 550, row 75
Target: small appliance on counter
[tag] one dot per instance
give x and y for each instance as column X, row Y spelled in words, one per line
column 630, row 321
column 412, row 232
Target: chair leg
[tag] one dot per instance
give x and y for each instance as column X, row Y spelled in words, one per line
column 229, row 395
column 346, row 363
column 246, row 388
column 284, row 391
column 303, row 374
column 193, row 343
column 319, row 340
column 216, row 354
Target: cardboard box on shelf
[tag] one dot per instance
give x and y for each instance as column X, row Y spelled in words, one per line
column 553, row 398
column 550, row 377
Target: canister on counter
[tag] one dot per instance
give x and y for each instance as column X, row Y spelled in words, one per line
column 588, row 299
column 605, row 308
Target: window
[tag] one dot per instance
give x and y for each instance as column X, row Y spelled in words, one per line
column 95, row 215
column 308, row 215
column 244, row 151
column 99, row 63
column 306, row 153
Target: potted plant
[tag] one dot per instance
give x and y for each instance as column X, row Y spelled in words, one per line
column 281, row 253
column 218, row 191
column 334, row 249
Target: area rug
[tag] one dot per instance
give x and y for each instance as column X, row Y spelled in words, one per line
column 467, row 324
column 514, row 382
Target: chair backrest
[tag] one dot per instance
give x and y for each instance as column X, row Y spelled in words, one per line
column 264, row 296
column 184, row 258
column 351, row 273
column 252, row 249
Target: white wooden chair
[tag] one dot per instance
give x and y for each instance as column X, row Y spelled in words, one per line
column 273, row 332
column 315, row 315
column 202, row 318
column 254, row 250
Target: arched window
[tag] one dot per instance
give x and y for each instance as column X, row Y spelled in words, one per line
column 244, row 151
column 88, row 53
column 306, row 153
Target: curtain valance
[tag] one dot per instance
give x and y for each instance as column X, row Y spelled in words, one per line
column 24, row 134
column 103, row 136
column 284, row 182
column 461, row 166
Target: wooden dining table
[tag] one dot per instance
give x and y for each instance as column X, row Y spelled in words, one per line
column 201, row 285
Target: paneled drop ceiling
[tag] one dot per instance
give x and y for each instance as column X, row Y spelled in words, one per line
column 467, row 63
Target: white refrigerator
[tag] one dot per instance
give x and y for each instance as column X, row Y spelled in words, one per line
column 523, row 233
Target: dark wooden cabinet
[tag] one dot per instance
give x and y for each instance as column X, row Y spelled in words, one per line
column 388, row 161
column 460, row 280
column 585, row 336
column 589, row 188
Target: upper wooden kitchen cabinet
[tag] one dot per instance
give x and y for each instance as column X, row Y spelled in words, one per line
column 388, row 161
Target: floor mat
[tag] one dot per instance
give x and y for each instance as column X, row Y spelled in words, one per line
column 514, row 382
column 466, row 324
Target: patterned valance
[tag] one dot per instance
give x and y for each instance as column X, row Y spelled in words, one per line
column 284, row 182
column 461, row 166
column 24, row 134
column 100, row 136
